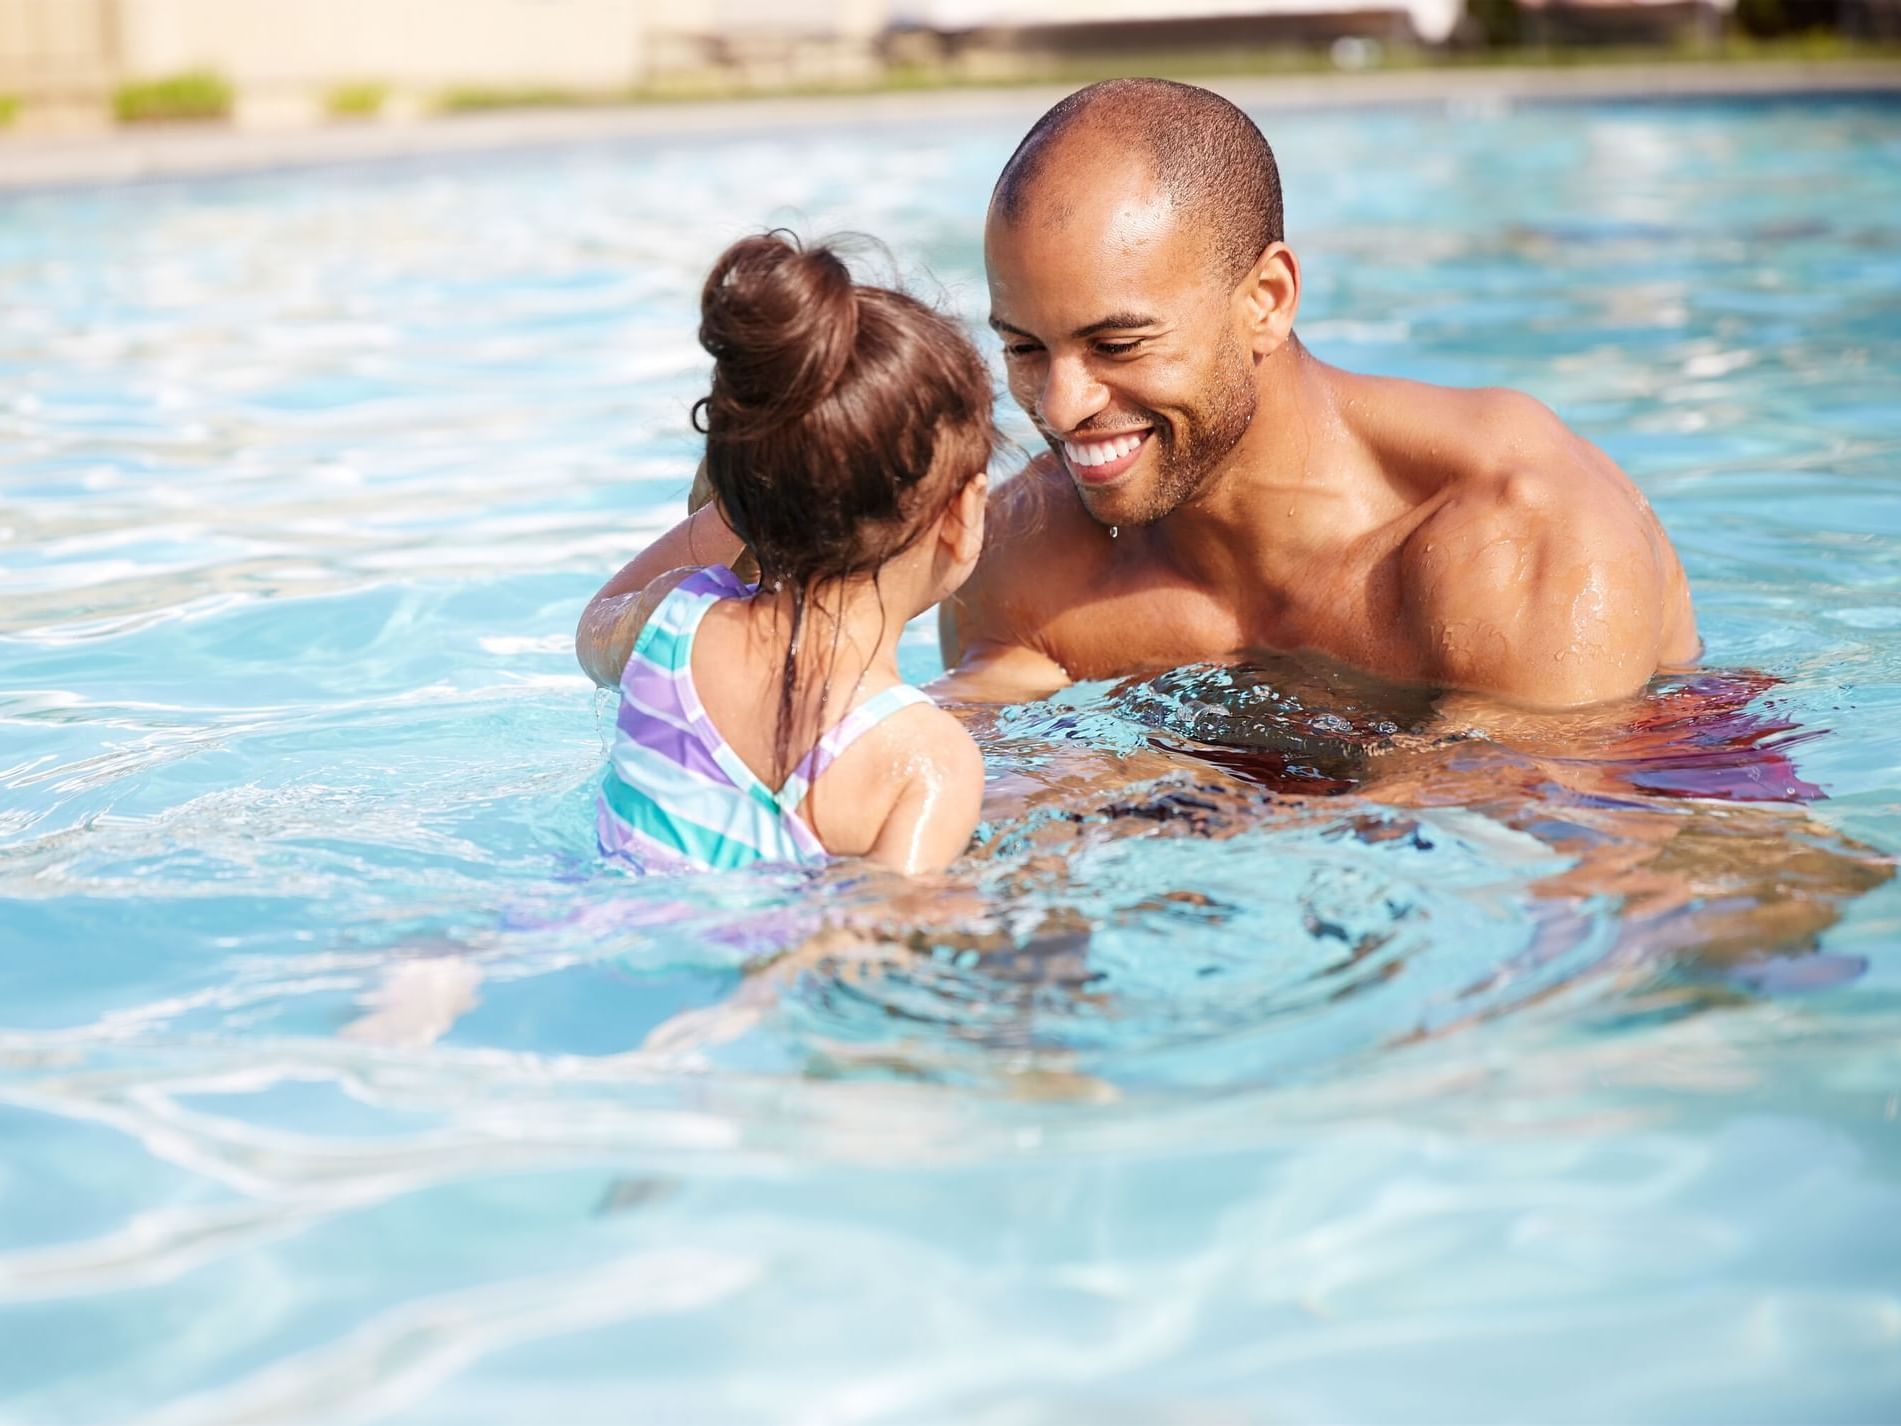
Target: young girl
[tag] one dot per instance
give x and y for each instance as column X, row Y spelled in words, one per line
column 847, row 434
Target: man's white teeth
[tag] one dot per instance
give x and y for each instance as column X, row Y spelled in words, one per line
column 1101, row 452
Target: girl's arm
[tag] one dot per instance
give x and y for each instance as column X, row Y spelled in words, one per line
column 611, row 622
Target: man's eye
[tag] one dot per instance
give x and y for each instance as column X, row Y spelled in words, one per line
column 1021, row 349
column 1117, row 348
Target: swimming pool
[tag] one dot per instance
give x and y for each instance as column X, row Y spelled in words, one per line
column 1266, row 1070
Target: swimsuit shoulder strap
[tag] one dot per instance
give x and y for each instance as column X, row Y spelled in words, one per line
column 666, row 639
column 842, row 734
column 721, row 580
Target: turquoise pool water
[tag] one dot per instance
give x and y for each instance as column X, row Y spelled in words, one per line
column 1269, row 1067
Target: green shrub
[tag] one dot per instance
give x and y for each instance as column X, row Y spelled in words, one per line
column 361, row 100
column 200, row 94
column 474, row 98
column 9, row 109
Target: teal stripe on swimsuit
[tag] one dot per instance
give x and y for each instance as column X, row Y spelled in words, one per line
column 699, row 844
column 665, row 648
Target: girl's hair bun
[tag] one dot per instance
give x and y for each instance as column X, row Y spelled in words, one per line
column 781, row 323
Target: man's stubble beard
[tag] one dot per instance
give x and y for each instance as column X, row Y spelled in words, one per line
column 1208, row 435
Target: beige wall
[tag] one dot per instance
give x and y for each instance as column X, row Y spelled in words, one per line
column 74, row 48
column 65, row 57
column 55, row 49
column 293, row 49
column 847, row 19
column 579, row 44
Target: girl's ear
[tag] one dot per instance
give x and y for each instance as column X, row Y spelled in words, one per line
column 963, row 527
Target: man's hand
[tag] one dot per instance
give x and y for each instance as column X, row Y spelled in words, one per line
column 744, row 564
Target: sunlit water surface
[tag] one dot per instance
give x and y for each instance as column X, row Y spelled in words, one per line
column 1277, row 1057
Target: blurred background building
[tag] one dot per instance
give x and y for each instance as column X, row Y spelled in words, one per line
column 66, row 62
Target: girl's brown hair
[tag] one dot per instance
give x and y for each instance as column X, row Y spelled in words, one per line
column 843, row 420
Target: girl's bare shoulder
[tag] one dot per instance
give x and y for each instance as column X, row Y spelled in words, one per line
column 914, row 782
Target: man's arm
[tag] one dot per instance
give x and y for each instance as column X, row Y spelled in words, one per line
column 994, row 669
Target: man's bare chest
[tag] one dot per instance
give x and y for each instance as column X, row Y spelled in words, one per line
column 1127, row 628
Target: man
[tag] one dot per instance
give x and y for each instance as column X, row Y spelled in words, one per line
column 1212, row 488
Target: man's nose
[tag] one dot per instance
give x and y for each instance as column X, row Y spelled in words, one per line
column 1070, row 395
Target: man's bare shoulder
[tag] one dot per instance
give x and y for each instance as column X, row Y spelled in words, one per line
column 1454, row 433
column 1539, row 572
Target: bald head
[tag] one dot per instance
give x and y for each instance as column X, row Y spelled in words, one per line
column 1204, row 154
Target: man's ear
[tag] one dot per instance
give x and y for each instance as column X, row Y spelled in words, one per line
column 963, row 528
column 1268, row 298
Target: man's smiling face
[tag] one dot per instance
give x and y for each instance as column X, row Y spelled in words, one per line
column 1121, row 339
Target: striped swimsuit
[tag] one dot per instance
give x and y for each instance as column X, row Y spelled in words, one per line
column 676, row 796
